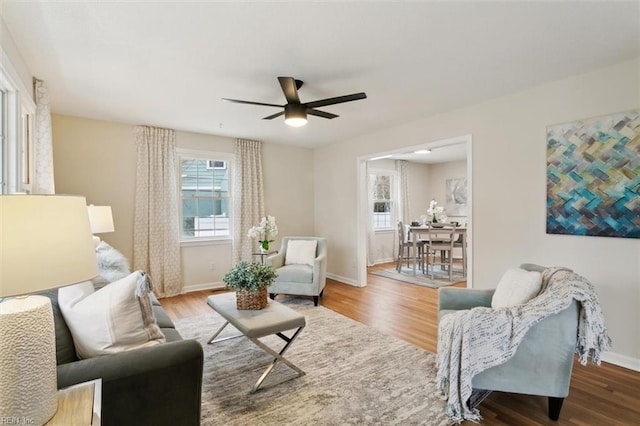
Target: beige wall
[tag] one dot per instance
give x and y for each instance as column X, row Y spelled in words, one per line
column 419, row 195
column 97, row 159
column 437, row 182
column 12, row 57
column 509, row 191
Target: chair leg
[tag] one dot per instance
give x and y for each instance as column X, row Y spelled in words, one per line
column 315, row 300
column 408, row 256
column 272, row 296
column 555, row 405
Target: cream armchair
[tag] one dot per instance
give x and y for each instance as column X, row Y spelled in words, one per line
column 295, row 277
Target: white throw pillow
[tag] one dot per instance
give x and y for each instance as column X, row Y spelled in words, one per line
column 516, row 287
column 301, row 252
column 116, row 318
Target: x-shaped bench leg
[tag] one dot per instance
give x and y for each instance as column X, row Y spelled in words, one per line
column 278, row 356
column 211, row 340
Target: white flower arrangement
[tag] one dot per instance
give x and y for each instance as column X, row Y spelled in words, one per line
column 436, row 212
column 266, row 230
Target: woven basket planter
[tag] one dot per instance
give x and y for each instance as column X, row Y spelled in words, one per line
column 251, row 300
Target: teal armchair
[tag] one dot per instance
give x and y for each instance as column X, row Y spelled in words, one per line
column 543, row 362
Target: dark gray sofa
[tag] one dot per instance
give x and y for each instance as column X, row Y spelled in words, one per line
column 157, row 385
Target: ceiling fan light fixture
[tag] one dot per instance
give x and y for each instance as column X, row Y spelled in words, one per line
column 295, row 112
column 381, row 157
column 295, row 115
column 295, row 121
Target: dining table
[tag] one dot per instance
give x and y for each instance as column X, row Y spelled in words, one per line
column 415, row 232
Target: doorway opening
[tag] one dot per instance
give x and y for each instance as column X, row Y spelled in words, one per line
column 432, row 157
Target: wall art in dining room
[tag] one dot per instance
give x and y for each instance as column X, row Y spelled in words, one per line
column 593, row 176
column 456, row 202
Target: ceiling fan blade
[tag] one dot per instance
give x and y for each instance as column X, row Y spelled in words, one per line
column 237, row 101
column 290, row 90
column 271, row 117
column 322, row 114
column 336, row 100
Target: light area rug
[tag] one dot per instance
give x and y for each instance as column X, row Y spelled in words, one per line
column 441, row 278
column 355, row 375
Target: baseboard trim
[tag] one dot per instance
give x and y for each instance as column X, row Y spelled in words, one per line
column 203, row 286
column 620, row 360
column 344, row 279
column 381, row 261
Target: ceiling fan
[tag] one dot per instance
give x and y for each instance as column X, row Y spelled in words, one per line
column 295, row 112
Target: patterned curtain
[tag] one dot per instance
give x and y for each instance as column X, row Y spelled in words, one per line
column 43, row 182
column 248, row 195
column 156, row 228
column 403, row 201
column 371, row 234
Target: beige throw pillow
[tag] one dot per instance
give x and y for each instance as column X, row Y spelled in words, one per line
column 116, row 318
column 301, row 252
column 516, row 287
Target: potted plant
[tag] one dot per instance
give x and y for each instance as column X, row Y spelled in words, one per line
column 265, row 231
column 250, row 281
column 436, row 212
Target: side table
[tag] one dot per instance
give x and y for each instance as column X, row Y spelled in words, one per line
column 79, row 404
column 263, row 254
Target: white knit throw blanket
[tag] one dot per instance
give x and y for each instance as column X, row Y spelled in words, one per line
column 471, row 341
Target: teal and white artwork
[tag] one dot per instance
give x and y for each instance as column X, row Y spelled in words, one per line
column 593, row 176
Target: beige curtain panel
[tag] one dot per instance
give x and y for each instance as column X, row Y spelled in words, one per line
column 248, row 195
column 43, row 182
column 156, row 229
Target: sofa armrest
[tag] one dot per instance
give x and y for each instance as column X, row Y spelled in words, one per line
column 320, row 271
column 276, row 260
column 159, row 385
column 454, row 298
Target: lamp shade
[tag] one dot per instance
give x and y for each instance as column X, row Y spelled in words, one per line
column 100, row 219
column 45, row 242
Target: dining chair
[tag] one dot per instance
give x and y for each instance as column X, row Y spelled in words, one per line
column 405, row 245
column 461, row 243
column 440, row 238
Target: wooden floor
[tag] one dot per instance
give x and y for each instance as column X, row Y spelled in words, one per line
column 604, row 395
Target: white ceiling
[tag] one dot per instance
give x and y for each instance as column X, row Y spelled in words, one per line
column 169, row 63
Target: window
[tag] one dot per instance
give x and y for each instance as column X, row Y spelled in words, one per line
column 3, row 145
column 205, row 195
column 382, row 189
column 16, row 110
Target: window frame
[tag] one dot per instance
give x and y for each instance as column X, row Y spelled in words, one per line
column 17, row 131
column 393, row 197
column 228, row 158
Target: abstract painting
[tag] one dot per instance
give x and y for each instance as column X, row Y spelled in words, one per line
column 593, row 176
column 456, row 202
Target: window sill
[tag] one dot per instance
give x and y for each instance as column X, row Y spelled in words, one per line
column 384, row 230
column 205, row 242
